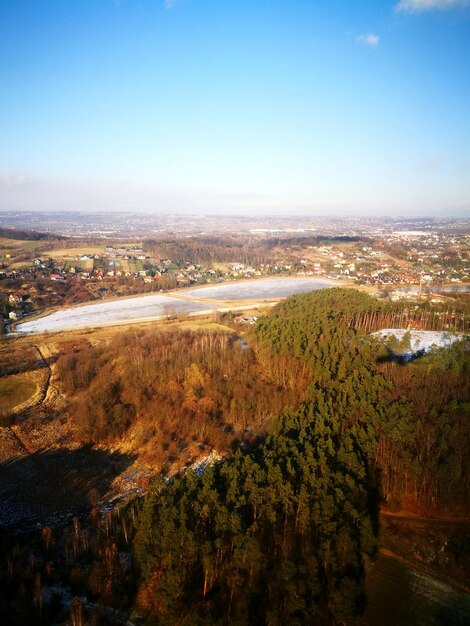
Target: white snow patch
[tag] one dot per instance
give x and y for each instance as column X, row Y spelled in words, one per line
column 155, row 306
column 200, row 465
column 260, row 288
column 420, row 340
column 109, row 312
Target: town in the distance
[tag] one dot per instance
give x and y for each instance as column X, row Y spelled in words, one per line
column 56, row 259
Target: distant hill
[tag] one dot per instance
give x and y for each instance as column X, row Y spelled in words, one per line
column 29, row 235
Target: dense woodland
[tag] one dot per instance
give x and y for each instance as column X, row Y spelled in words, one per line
column 277, row 536
column 410, row 419
column 320, row 426
column 173, row 387
column 230, row 249
column 282, row 534
column 29, row 235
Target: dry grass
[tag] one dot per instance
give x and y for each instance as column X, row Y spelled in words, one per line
column 43, row 249
column 19, row 264
column 195, row 325
column 7, row 245
column 223, row 267
column 51, row 342
column 17, row 356
column 15, row 390
column 71, row 253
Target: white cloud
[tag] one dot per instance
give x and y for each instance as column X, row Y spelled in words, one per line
column 431, row 163
column 369, row 40
column 418, row 6
column 170, row 4
column 18, row 181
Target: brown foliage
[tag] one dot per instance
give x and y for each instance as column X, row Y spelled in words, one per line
column 176, row 387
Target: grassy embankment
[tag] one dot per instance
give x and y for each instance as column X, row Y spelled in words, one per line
column 14, row 391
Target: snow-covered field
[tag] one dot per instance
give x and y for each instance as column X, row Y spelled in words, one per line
column 263, row 288
column 111, row 312
column 159, row 305
column 420, row 340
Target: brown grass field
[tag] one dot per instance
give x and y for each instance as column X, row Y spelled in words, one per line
column 50, row 343
column 15, row 390
column 7, row 244
column 71, row 253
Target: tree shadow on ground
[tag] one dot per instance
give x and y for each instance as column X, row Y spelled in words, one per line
column 401, row 359
column 49, row 486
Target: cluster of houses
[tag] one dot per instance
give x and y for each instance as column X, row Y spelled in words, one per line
column 396, row 259
column 424, row 258
column 19, row 304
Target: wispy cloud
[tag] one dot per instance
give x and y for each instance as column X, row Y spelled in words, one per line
column 170, row 4
column 17, row 181
column 369, row 39
column 431, row 164
column 419, row 6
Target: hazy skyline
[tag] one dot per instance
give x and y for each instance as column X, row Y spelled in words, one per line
column 269, row 106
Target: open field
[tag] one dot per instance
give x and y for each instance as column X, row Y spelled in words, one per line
column 257, row 289
column 23, row 251
column 112, row 312
column 15, row 390
column 7, row 244
column 51, row 343
column 194, row 324
column 199, row 301
column 44, row 249
column 19, row 265
column 18, row 356
column 71, row 253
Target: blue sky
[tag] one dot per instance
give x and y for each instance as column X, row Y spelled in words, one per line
column 269, row 106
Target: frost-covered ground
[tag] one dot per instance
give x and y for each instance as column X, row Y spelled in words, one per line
column 159, row 305
column 420, row 340
column 110, row 312
column 205, row 461
column 260, row 289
